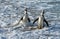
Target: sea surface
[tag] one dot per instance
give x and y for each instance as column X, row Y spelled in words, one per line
column 12, row 10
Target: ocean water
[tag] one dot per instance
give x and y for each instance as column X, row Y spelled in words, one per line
column 12, row 10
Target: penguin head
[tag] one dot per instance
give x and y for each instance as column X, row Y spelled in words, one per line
column 42, row 13
column 25, row 10
column 25, row 13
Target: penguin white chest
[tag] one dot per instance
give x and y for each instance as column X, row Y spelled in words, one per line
column 24, row 21
column 40, row 21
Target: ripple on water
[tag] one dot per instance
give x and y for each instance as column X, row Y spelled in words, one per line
column 15, row 8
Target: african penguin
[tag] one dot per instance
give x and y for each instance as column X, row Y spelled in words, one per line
column 25, row 19
column 41, row 21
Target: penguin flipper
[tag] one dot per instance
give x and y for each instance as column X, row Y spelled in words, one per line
column 29, row 19
column 21, row 18
column 46, row 22
column 35, row 20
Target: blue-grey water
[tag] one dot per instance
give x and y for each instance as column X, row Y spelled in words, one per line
column 12, row 10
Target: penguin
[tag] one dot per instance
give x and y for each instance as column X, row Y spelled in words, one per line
column 25, row 19
column 41, row 20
